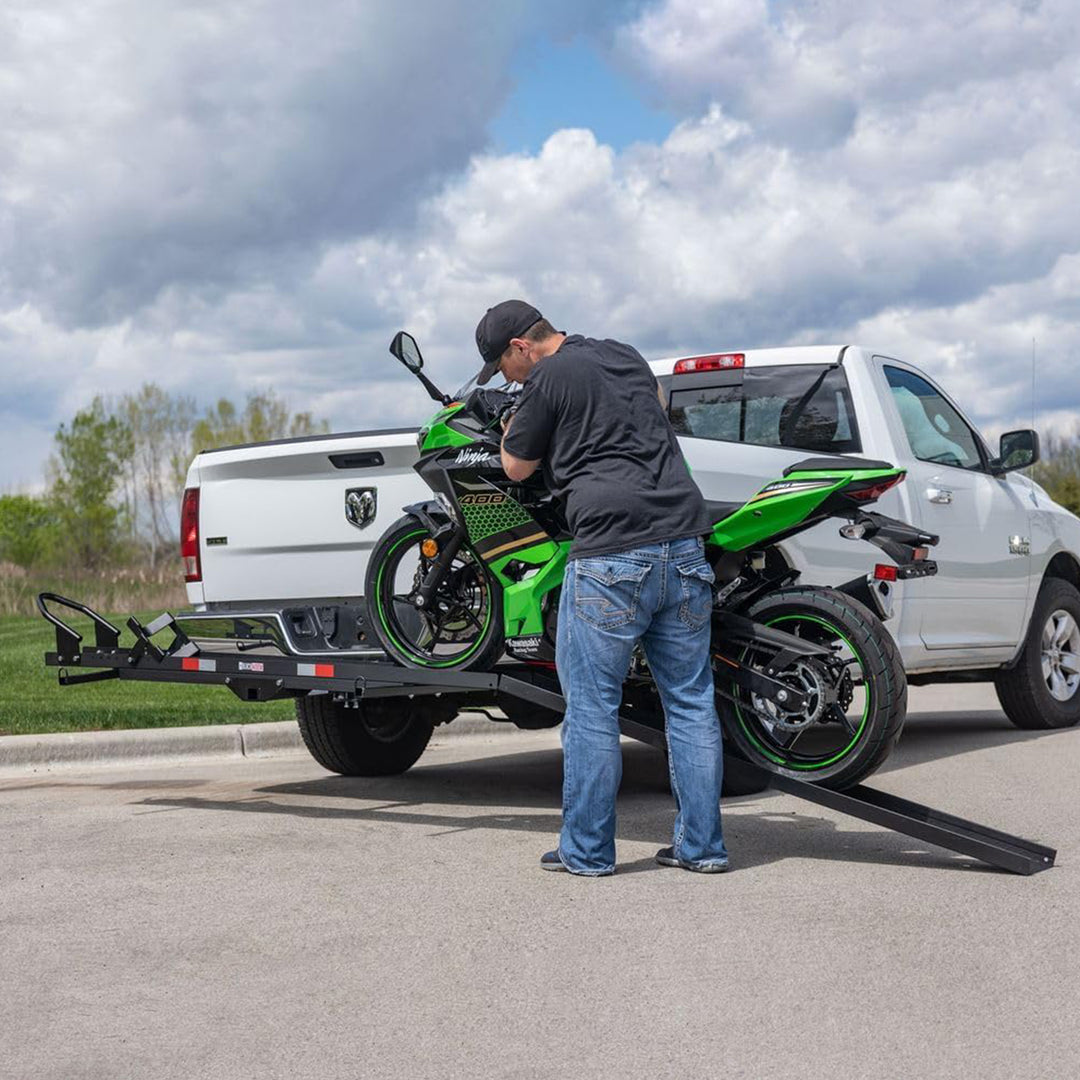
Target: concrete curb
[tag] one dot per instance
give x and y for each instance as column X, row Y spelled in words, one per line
column 149, row 746
column 20, row 754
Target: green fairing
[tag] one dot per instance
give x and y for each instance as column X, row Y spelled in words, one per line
column 521, row 599
column 758, row 522
column 436, row 433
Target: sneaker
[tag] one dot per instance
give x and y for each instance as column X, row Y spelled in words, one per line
column 666, row 857
column 550, row 861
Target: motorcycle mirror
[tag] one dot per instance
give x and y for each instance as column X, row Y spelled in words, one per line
column 406, row 350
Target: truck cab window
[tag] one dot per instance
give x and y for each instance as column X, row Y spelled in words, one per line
column 934, row 428
column 803, row 406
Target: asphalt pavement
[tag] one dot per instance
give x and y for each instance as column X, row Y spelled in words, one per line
column 262, row 918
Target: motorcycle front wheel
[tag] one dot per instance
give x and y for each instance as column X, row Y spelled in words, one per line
column 856, row 698
column 462, row 628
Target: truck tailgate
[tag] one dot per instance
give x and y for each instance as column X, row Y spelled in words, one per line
column 272, row 518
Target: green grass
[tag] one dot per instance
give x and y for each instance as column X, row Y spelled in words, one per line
column 32, row 702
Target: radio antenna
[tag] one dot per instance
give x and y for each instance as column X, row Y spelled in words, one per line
column 1033, row 383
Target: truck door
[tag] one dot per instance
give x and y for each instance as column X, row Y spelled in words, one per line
column 978, row 598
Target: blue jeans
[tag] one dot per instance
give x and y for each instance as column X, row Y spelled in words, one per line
column 660, row 594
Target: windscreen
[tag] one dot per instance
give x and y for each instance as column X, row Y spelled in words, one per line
column 498, row 382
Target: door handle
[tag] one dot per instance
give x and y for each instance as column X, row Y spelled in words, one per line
column 939, row 495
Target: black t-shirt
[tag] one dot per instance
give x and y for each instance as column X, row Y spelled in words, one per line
column 590, row 412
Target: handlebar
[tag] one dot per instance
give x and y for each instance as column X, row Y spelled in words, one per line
column 490, row 406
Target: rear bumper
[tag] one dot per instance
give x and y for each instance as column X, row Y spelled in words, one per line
column 314, row 630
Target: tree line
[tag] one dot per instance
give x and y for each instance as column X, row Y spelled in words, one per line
column 116, row 474
column 117, row 471
column 1059, row 469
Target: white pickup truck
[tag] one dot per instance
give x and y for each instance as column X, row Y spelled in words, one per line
column 288, row 526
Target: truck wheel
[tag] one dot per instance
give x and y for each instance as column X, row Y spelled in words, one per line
column 740, row 781
column 1043, row 690
column 381, row 737
column 526, row 715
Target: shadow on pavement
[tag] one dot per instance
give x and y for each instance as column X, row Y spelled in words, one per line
column 932, row 736
column 521, row 792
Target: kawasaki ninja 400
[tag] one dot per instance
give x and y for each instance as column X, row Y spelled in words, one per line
column 808, row 680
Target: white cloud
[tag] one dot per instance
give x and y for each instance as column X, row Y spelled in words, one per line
column 201, row 145
column 904, row 175
column 802, row 71
column 176, row 178
column 715, row 240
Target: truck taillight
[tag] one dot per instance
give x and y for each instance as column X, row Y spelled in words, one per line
column 189, row 535
column 689, row 365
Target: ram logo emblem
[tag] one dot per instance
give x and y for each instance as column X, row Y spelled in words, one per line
column 360, row 506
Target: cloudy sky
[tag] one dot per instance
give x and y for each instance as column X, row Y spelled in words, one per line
column 224, row 198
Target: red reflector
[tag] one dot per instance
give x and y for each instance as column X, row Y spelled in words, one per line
column 884, row 572
column 918, row 554
column 717, row 362
column 189, row 663
column 189, row 535
column 324, row 671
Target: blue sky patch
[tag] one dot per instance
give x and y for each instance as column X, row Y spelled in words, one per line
column 572, row 85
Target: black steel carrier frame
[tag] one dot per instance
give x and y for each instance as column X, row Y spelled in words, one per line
column 263, row 677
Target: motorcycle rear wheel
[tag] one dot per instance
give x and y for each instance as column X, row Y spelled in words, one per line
column 849, row 738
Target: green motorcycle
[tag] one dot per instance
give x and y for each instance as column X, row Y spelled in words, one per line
column 808, row 680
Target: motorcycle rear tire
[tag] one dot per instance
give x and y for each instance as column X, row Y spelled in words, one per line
column 883, row 671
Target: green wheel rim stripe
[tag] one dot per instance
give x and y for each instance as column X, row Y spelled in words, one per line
column 866, row 706
column 390, row 633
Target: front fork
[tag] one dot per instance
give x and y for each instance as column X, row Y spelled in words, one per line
column 448, row 550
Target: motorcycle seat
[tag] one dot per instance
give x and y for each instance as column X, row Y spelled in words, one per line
column 845, row 464
column 720, row 510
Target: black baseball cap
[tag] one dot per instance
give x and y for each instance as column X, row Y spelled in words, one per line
column 504, row 321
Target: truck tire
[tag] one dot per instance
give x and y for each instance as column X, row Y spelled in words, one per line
column 527, row 715
column 381, row 737
column 1042, row 690
column 740, row 781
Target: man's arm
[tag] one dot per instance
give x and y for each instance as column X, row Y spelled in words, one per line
column 514, row 467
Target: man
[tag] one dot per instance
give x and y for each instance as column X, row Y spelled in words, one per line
column 591, row 414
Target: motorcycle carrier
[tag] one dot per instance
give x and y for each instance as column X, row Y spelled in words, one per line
column 265, row 677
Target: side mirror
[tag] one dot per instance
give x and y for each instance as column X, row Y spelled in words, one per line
column 404, row 347
column 1017, row 450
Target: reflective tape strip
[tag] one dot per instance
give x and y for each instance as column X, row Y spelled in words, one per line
column 192, row 663
column 317, row 671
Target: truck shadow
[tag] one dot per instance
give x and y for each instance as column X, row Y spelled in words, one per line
column 521, row 792
column 932, row 736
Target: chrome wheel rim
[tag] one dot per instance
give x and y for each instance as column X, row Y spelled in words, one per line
column 1061, row 655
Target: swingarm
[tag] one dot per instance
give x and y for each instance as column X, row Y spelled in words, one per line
column 733, row 634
